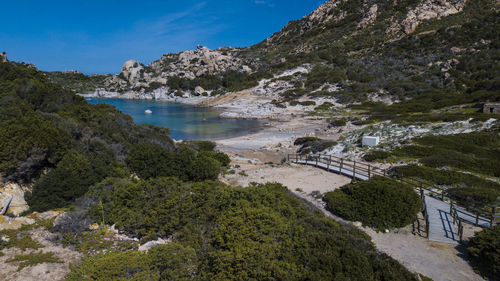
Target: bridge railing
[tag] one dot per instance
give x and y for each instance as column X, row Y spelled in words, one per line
column 477, row 216
column 355, row 168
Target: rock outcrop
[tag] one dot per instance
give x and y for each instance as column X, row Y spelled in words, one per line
column 430, row 9
column 370, row 16
column 188, row 64
column 3, row 57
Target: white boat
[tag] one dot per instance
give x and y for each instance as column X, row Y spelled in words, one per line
column 148, row 111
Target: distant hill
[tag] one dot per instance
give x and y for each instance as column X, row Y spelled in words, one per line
column 392, row 49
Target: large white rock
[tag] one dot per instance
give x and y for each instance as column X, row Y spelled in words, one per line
column 199, row 90
column 132, row 70
column 370, row 141
column 151, row 244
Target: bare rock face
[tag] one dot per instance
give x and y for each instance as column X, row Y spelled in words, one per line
column 188, row 64
column 133, row 71
column 194, row 63
column 370, row 17
column 323, row 11
column 152, row 244
column 430, row 9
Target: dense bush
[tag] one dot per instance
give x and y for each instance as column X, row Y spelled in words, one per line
column 337, row 123
column 476, row 152
column 61, row 186
column 380, row 203
column 225, row 233
column 201, row 145
column 149, row 160
column 223, row 158
column 484, row 252
column 321, row 75
column 313, row 144
column 376, row 155
column 28, row 144
column 204, row 168
column 164, row 262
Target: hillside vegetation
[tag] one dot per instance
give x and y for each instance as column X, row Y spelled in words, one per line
column 460, row 163
column 224, row 233
column 104, row 168
column 56, row 140
column 371, row 50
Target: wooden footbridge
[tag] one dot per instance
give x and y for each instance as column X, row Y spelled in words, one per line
column 443, row 219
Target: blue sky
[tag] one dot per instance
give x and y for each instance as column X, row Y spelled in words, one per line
column 99, row 36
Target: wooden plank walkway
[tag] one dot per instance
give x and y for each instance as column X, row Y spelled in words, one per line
column 441, row 227
column 336, row 169
column 440, row 222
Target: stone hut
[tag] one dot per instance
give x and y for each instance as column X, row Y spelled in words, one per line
column 3, row 57
column 492, row 108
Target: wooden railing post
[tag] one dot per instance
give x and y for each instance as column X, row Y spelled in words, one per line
column 317, row 157
column 418, row 225
column 369, row 172
column 492, row 216
column 451, row 207
column 426, row 225
column 341, row 165
column 328, row 165
column 477, row 219
column 354, row 171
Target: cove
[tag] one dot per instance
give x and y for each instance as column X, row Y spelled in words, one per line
column 184, row 121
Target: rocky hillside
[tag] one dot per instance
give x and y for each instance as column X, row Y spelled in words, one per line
column 388, row 50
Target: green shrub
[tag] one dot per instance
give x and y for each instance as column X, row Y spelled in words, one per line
column 164, row 262
column 223, row 158
column 201, row 145
column 33, row 259
column 477, row 152
column 305, row 140
column 308, row 103
column 379, row 203
column 376, row 155
column 466, row 188
column 337, row 123
column 130, row 265
column 18, row 239
column 61, row 186
column 313, row 144
column 149, row 160
column 29, row 143
column 204, row 168
column 483, row 250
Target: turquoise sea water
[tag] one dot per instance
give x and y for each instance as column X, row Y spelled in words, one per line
column 184, row 121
